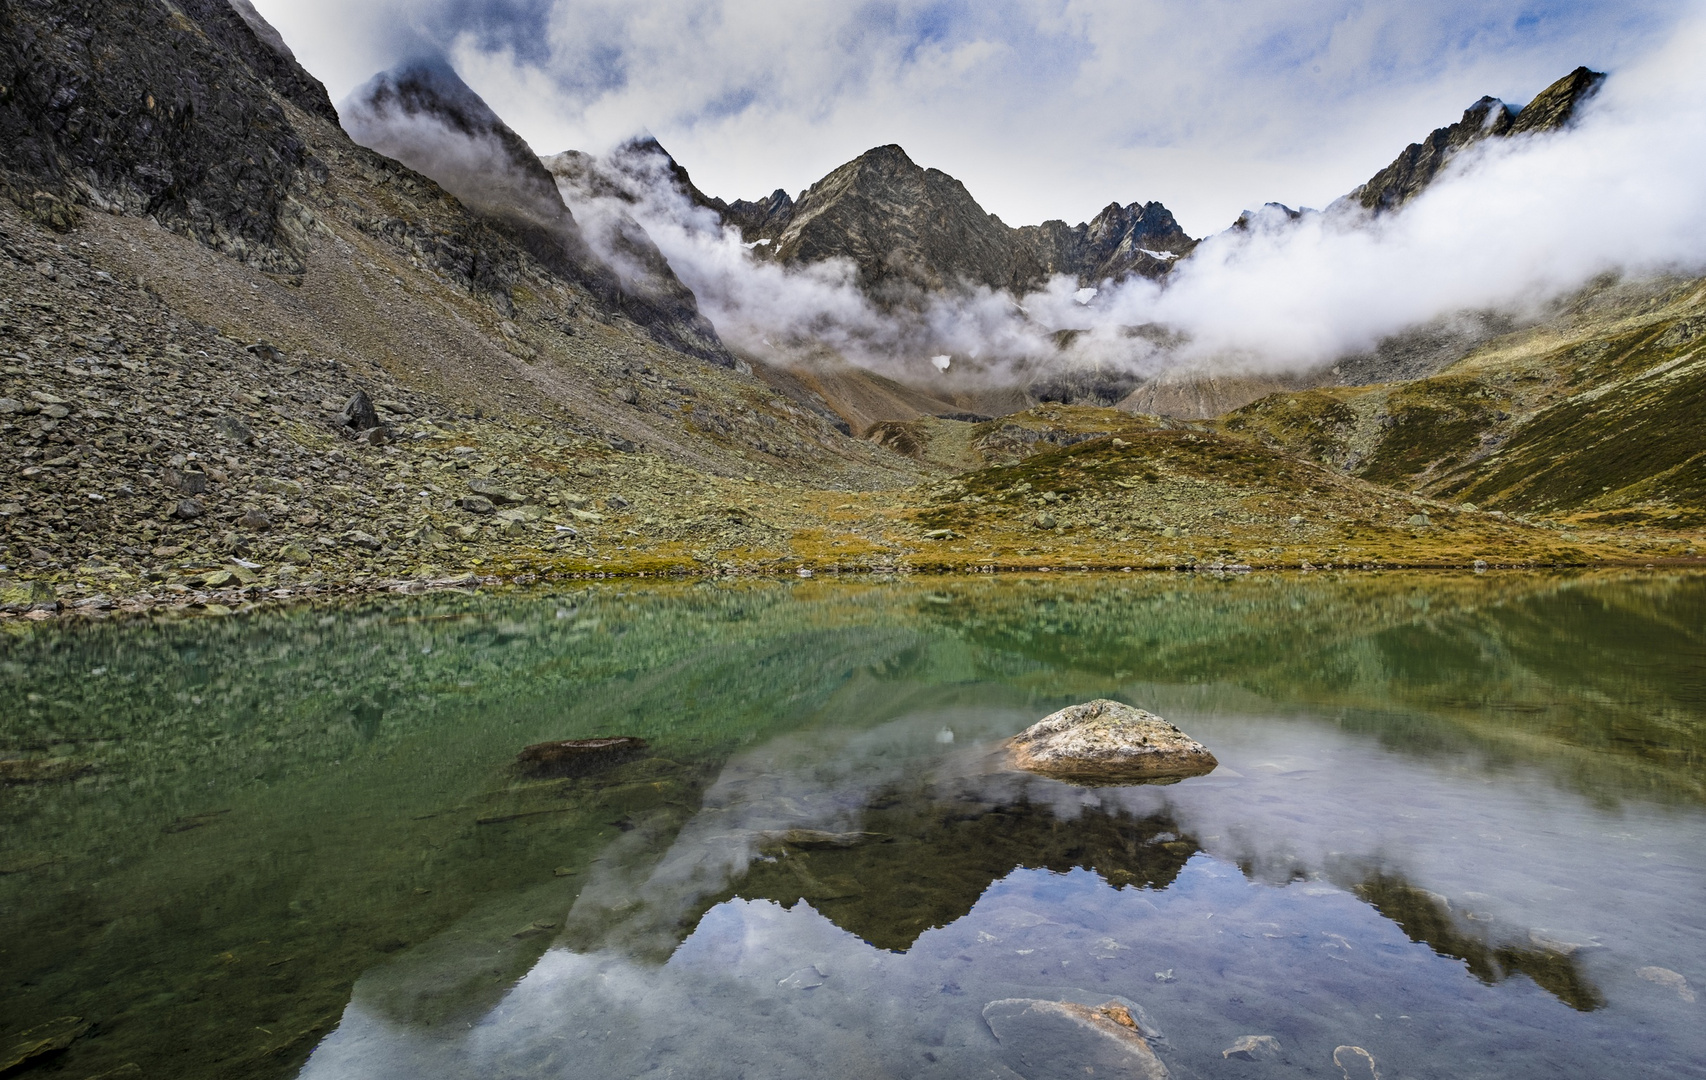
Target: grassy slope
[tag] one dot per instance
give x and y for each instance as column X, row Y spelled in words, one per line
column 1591, row 418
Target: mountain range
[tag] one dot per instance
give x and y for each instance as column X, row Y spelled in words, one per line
column 253, row 344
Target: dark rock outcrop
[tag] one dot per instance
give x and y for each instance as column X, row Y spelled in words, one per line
column 1489, row 118
column 1120, row 241
column 763, row 218
column 174, row 113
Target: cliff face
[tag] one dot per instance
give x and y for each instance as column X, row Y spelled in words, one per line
column 1120, row 241
column 912, row 229
column 1488, row 118
column 173, row 113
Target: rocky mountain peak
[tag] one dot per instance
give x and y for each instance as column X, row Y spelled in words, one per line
column 763, row 219
column 1415, row 168
column 1555, row 106
column 911, row 229
column 422, row 114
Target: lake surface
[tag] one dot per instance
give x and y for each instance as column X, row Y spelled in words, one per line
column 1459, row 823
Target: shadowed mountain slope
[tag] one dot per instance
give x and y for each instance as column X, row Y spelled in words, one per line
column 425, row 116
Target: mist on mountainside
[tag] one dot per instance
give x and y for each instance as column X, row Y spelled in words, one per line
column 422, row 114
column 1510, row 224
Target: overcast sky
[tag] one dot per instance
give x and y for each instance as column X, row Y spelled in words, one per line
column 1044, row 108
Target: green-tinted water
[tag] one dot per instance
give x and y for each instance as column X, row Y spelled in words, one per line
column 1459, row 823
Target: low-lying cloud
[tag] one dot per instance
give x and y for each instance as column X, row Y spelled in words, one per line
column 1511, row 225
column 1042, row 109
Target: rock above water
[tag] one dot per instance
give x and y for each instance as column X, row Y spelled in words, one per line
column 1108, row 742
column 1055, row 1040
column 576, row 757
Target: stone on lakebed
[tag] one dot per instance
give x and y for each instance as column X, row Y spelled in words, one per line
column 1062, row 1040
column 1108, row 742
column 577, row 757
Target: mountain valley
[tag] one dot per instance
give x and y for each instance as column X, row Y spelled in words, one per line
column 247, row 358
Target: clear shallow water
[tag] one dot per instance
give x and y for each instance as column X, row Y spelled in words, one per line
column 1458, row 822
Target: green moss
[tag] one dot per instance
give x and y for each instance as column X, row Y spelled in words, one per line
column 1316, row 423
column 1433, row 423
column 1645, row 433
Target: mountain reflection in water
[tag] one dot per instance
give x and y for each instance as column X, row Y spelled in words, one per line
column 1458, row 819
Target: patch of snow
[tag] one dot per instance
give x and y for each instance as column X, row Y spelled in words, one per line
column 1084, row 296
column 1164, row 256
column 941, row 362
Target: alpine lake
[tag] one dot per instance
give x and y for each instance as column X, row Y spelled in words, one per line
column 1458, row 830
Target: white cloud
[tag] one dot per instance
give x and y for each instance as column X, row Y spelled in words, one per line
column 1510, row 225
column 1045, row 108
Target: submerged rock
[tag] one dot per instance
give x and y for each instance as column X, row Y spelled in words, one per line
column 32, row 1047
column 1668, row 979
column 1061, row 1039
column 1356, row 1063
column 41, row 770
column 576, row 757
column 1253, row 1048
column 1108, row 742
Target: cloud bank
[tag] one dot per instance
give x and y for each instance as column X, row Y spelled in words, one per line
column 1044, row 108
column 1510, row 225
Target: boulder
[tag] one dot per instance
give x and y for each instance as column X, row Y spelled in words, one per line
column 359, row 414
column 1057, row 1040
column 576, row 757
column 1107, row 742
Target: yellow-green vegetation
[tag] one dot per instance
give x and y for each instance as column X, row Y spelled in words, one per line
column 1592, row 418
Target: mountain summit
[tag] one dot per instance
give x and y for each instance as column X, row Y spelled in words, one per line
column 1489, row 118
column 910, row 228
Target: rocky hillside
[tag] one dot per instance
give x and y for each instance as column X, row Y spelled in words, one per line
column 243, row 357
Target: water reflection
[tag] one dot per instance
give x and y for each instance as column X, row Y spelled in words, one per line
column 1473, row 803
column 1427, row 918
